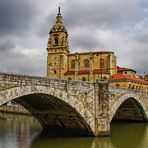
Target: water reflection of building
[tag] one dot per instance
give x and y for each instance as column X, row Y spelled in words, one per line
column 16, row 130
column 11, row 107
column 24, row 136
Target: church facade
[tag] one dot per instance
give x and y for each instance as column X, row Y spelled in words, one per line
column 85, row 66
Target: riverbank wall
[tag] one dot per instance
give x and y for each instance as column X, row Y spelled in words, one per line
column 16, row 109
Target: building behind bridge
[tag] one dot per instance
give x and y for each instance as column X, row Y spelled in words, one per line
column 86, row 66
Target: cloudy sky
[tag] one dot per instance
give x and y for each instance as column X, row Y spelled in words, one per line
column 111, row 25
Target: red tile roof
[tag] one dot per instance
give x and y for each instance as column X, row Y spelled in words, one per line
column 124, row 69
column 95, row 52
column 117, row 77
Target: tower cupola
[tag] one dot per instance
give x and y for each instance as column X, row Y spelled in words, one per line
column 58, row 36
column 59, row 26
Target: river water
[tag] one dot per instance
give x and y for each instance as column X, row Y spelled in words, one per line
column 17, row 131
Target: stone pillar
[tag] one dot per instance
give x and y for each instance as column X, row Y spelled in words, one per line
column 91, row 77
column 102, row 122
column 76, row 66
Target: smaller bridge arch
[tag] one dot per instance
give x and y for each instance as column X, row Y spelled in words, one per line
column 123, row 99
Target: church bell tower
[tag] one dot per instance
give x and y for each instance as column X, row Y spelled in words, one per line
column 57, row 49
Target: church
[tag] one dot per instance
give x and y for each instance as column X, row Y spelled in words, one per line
column 84, row 66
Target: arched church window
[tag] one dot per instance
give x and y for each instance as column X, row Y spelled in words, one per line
column 56, row 40
column 73, row 64
column 102, row 63
column 63, row 39
column 83, row 79
column 117, row 85
column 86, row 63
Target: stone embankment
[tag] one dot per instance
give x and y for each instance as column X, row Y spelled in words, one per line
column 15, row 109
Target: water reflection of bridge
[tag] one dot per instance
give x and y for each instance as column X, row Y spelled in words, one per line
column 123, row 135
column 73, row 107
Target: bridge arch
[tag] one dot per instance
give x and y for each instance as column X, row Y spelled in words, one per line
column 125, row 98
column 72, row 114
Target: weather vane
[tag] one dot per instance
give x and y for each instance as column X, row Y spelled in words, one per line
column 59, row 9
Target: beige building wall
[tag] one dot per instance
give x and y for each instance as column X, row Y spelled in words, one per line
column 130, row 84
column 94, row 70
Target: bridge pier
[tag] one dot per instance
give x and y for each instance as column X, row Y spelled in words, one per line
column 102, row 122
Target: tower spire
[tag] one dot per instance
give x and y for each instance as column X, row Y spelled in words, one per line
column 59, row 10
column 59, row 16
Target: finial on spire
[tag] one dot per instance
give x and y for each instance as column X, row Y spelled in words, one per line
column 59, row 10
column 59, row 16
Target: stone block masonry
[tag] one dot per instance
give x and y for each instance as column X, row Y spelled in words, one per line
column 71, row 107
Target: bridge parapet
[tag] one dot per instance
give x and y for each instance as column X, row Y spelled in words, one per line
column 13, row 80
column 117, row 91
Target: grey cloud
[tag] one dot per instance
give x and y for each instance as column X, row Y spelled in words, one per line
column 23, row 64
column 113, row 14
column 84, row 39
column 16, row 17
column 139, row 60
column 136, row 57
column 141, row 32
column 142, row 37
column 47, row 24
column 11, row 60
column 6, row 46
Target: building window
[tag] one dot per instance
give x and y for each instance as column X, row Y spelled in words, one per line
column 129, row 86
column 102, row 63
column 117, row 85
column 63, row 40
column 56, row 40
column 73, row 64
column 69, row 78
column 105, row 78
column 86, row 63
column 83, row 79
column 55, row 71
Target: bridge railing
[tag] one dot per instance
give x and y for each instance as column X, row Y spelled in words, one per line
column 23, row 80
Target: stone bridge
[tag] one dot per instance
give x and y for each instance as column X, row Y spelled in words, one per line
column 73, row 107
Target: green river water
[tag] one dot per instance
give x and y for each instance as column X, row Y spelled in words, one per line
column 17, row 131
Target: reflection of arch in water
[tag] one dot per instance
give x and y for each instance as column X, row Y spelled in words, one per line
column 129, row 135
column 45, row 141
column 59, row 116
